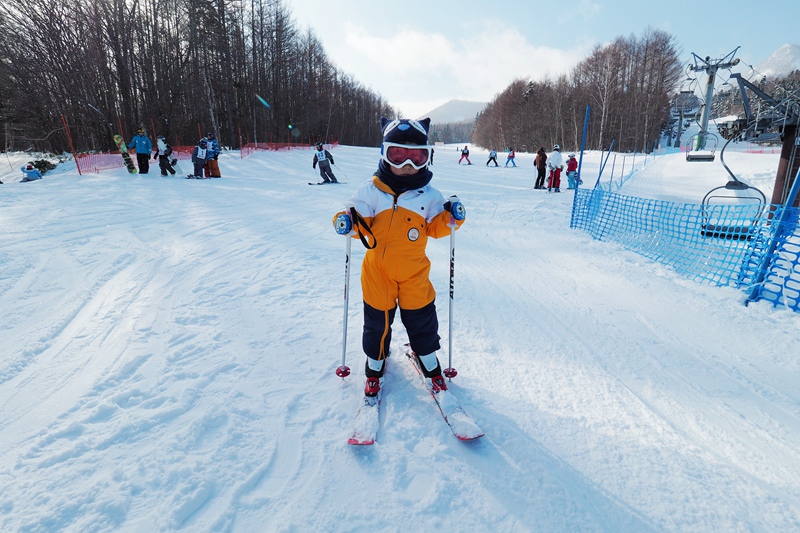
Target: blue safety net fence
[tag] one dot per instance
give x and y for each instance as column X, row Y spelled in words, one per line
column 753, row 247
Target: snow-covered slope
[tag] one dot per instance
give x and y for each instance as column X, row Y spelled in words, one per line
column 783, row 61
column 169, row 347
column 455, row 111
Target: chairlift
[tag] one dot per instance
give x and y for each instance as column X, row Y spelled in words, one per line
column 697, row 148
column 732, row 211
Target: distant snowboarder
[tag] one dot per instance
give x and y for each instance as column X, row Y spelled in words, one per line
column 162, row 153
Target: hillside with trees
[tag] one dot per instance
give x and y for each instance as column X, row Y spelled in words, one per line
column 628, row 83
column 179, row 67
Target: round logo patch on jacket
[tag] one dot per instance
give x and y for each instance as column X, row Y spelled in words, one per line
column 413, row 234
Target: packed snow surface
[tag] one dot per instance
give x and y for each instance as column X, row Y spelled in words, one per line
column 169, row 348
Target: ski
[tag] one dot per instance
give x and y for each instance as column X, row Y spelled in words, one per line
column 461, row 424
column 126, row 157
column 367, row 421
column 327, row 183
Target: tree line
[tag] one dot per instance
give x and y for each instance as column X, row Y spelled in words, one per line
column 628, row 83
column 180, row 67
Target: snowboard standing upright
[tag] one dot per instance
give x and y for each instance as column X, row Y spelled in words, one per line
column 126, row 157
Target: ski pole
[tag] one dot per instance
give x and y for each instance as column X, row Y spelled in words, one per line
column 340, row 170
column 344, row 370
column 451, row 372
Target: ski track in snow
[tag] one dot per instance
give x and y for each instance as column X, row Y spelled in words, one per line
column 170, row 347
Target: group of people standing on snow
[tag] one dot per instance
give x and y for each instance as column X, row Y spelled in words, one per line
column 555, row 164
column 204, row 155
column 544, row 163
column 204, row 158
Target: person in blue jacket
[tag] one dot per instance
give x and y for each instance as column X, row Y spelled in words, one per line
column 212, row 166
column 141, row 143
column 31, row 173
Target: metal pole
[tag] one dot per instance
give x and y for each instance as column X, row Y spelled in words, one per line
column 451, row 372
column 344, row 371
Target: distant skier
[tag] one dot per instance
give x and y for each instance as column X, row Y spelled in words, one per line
column 555, row 163
column 325, row 160
column 541, row 167
column 212, row 167
column 143, row 147
column 200, row 157
column 31, row 173
column 400, row 210
column 572, row 172
column 465, row 155
column 510, row 157
column 163, row 152
column 492, row 157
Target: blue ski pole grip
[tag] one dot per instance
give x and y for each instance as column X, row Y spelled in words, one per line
column 343, row 224
column 456, row 208
column 458, row 211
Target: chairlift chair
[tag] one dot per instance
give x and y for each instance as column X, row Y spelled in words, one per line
column 697, row 146
column 719, row 217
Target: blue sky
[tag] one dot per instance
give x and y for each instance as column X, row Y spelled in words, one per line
column 419, row 54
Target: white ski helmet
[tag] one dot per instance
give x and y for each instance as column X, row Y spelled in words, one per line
column 556, row 147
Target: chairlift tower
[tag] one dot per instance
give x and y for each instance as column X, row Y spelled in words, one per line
column 710, row 67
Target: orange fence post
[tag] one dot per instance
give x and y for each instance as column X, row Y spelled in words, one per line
column 72, row 146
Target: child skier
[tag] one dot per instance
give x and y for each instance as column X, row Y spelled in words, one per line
column 510, row 157
column 572, row 172
column 30, row 173
column 492, row 157
column 325, row 160
column 199, row 158
column 465, row 155
column 162, row 153
column 399, row 209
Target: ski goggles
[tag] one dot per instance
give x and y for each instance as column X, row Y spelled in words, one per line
column 399, row 155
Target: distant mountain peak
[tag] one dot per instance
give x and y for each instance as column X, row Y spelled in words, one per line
column 455, row 111
column 783, row 61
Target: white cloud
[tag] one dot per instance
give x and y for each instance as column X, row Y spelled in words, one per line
column 414, row 69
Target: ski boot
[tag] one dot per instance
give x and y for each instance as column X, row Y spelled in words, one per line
column 438, row 384
column 373, row 387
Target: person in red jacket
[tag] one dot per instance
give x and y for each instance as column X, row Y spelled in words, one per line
column 510, row 157
column 400, row 210
column 572, row 172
